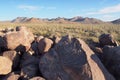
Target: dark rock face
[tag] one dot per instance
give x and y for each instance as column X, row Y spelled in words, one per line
column 72, row 59
column 111, row 57
column 5, row 65
column 29, row 66
column 44, row 45
column 2, row 44
column 19, row 40
column 107, row 39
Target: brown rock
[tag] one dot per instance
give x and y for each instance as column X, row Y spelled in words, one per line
column 19, row 40
column 44, row 45
column 38, row 38
column 72, row 59
column 111, row 59
column 13, row 56
column 56, row 39
column 37, row 78
column 107, row 39
column 12, row 76
column 98, row 51
column 5, row 65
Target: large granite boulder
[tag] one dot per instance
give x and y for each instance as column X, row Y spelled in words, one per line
column 13, row 56
column 107, row 39
column 19, row 40
column 72, row 59
column 29, row 66
column 111, row 59
column 5, row 65
column 44, row 45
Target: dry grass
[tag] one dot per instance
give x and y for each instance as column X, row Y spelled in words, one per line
column 84, row 31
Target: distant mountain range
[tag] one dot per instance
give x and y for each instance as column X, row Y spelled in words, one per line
column 77, row 19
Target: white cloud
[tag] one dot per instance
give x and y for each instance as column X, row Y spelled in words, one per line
column 33, row 8
column 107, row 10
column 28, row 7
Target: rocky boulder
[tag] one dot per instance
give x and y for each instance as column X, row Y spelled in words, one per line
column 44, row 45
column 11, row 76
column 5, row 65
column 29, row 66
column 20, row 40
column 72, row 59
column 107, row 39
column 13, row 56
column 111, row 59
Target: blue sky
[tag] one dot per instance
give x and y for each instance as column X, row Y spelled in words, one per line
column 106, row 10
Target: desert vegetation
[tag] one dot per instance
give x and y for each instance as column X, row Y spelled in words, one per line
column 87, row 32
column 56, row 51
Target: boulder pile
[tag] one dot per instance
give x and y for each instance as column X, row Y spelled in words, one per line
column 24, row 56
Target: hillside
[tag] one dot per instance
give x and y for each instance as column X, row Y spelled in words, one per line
column 19, row 20
column 86, row 20
column 116, row 21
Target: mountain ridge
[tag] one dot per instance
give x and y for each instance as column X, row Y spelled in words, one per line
column 78, row 19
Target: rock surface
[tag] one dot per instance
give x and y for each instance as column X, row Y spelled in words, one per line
column 111, row 59
column 13, row 56
column 12, row 76
column 29, row 66
column 19, row 40
column 44, row 45
column 72, row 59
column 37, row 78
column 5, row 65
column 107, row 39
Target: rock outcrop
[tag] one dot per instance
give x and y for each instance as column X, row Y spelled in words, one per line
column 111, row 59
column 19, row 40
column 72, row 59
column 107, row 39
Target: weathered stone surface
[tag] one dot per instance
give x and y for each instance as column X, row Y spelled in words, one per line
column 19, row 40
column 111, row 59
column 56, row 39
column 34, row 47
column 98, row 51
column 72, row 59
column 38, row 38
column 29, row 66
column 37, row 78
column 13, row 56
column 2, row 44
column 44, row 45
column 12, row 76
column 107, row 39
column 5, row 65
